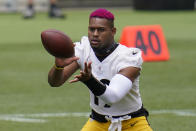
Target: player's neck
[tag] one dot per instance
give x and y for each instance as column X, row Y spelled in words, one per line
column 103, row 53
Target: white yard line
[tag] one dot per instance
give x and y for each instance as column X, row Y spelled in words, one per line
column 175, row 112
column 65, row 114
column 21, row 119
column 42, row 117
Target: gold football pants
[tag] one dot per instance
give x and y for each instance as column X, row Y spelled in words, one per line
column 134, row 124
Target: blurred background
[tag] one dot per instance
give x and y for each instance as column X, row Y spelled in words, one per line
column 28, row 103
column 42, row 5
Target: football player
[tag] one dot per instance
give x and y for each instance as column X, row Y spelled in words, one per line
column 111, row 72
column 54, row 11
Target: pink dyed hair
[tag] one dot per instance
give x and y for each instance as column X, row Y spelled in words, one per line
column 102, row 13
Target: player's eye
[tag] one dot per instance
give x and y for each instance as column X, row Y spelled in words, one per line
column 91, row 29
column 101, row 29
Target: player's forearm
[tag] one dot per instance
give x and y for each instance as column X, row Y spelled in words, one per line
column 56, row 77
column 119, row 86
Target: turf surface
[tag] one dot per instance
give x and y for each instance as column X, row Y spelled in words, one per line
column 24, row 65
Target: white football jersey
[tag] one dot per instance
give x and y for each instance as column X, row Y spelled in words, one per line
column 120, row 58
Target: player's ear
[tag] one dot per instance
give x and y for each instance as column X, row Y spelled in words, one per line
column 113, row 30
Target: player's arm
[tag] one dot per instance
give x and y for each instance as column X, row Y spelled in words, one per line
column 130, row 72
column 62, row 70
column 119, row 85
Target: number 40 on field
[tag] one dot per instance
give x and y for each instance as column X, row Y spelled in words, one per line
column 149, row 38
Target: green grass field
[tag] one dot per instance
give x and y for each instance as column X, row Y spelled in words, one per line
column 168, row 88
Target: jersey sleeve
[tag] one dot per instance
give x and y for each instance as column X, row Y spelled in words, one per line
column 82, row 50
column 130, row 57
column 78, row 51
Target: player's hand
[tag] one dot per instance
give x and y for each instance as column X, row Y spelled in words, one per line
column 84, row 75
column 62, row 62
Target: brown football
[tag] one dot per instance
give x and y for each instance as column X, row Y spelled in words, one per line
column 57, row 43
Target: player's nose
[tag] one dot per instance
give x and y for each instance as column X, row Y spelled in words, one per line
column 95, row 32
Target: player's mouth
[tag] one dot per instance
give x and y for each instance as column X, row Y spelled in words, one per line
column 95, row 42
